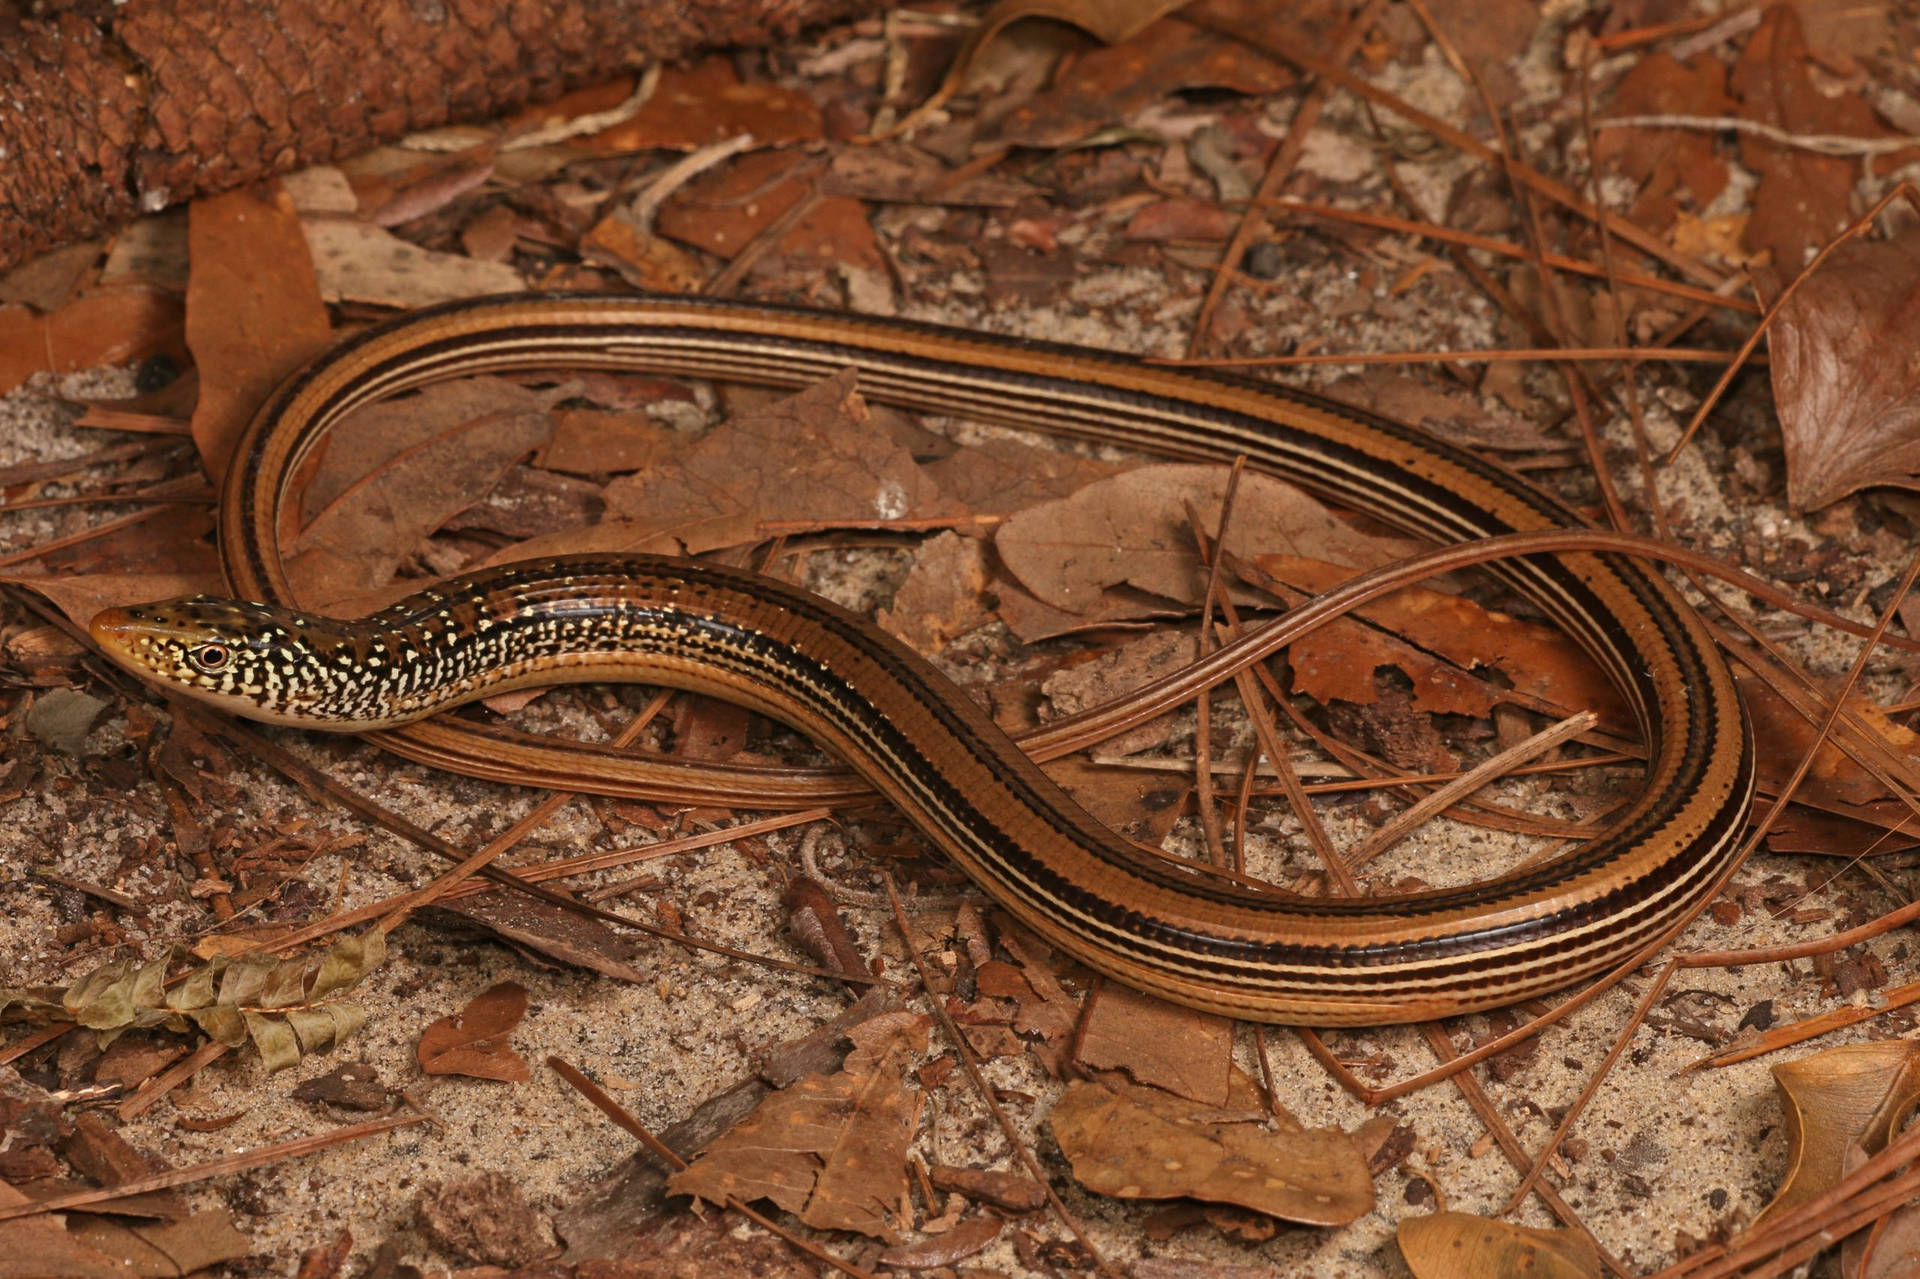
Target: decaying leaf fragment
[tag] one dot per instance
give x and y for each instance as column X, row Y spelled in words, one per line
column 831, row 1148
column 1851, row 1098
column 1458, row 1245
column 1845, row 347
column 1141, row 1143
column 474, row 1040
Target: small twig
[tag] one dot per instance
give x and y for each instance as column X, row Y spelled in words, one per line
column 1446, row 796
column 258, row 1157
column 1823, row 143
column 971, row 1063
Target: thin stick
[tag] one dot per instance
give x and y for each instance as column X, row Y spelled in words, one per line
column 981, row 1087
column 1446, row 796
column 258, row 1157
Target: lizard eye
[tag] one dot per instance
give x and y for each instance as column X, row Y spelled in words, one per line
column 210, row 657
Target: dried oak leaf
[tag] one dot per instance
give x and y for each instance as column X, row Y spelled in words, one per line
column 811, row 457
column 1439, row 641
column 1132, row 530
column 104, row 326
column 1457, row 1245
column 1845, row 352
column 356, row 542
column 1804, row 198
column 254, row 312
column 1855, row 1097
column 473, row 1041
column 830, row 1148
column 1141, row 1143
column 1161, row 1045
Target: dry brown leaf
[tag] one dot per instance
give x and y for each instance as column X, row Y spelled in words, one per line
column 1102, row 677
column 1857, row 1095
column 1161, row 1045
column 254, row 313
column 1438, row 641
column 166, row 1248
column 474, row 1040
column 1109, row 21
column 1132, row 530
column 359, row 262
column 1103, row 87
column 375, row 435
column 1676, row 168
column 1453, row 413
column 831, row 1148
column 811, row 457
column 355, row 543
column 1003, row 475
column 1844, row 348
column 963, row 1241
column 1804, row 198
column 943, row 596
column 726, row 210
column 592, row 442
column 1457, row 1245
column 105, row 326
column 644, row 260
column 1146, row 1144
column 1888, row 1249
column 35, row 1247
column 695, row 106
column 1836, row 779
column 81, row 596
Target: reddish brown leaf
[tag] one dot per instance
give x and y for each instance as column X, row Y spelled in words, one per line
column 1676, row 168
column 812, row 457
column 1178, row 1050
column 706, row 103
column 106, row 326
column 474, row 1040
column 1803, row 200
column 831, row 1148
column 725, row 211
column 1105, row 86
column 254, row 313
column 1144, row 1144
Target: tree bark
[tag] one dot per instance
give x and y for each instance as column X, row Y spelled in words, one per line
column 108, row 111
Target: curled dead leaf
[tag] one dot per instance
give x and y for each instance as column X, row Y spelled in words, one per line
column 1146, row 1144
column 1852, row 1097
column 1458, row 1245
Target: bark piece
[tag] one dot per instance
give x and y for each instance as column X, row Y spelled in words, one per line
column 116, row 110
